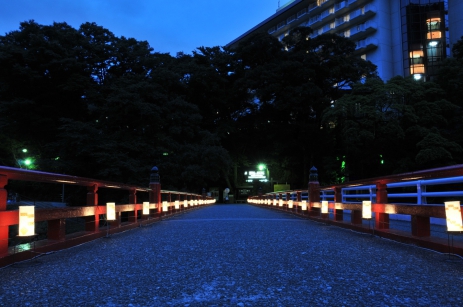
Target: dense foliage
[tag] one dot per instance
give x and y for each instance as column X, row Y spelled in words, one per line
column 88, row 103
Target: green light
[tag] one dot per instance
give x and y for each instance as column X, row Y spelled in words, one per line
column 165, row 154
column 24, row 150
column 28, row 161
column 261, row 167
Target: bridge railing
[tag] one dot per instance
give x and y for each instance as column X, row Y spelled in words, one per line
column 58, row 228
column 416, row 198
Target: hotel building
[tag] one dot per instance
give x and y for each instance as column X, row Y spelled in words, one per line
column 401, row 37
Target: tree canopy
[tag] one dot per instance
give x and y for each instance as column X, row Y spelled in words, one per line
column 85, row 102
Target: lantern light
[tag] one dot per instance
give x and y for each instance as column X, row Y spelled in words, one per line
column 290, row 204
column 280, row 203
column 366, row 209
column 165, row 206
column 185, row 203
column 453, row 216
column 304, row 205
column 111, row 211
column 26, row 221
column 177, row 205
column 324, row 207
column 146, row 208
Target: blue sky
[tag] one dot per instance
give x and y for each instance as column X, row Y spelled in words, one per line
column 168, row 25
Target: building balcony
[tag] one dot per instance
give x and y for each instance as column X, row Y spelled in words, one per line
column 366, row 44
column 362, row 14
column 363, row 30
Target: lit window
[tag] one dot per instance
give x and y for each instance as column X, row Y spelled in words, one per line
column 417, row 69
column 434, row 35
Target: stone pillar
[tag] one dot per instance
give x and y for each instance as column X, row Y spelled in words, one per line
column 155, row 186
column 92, row 222
column 381, row 219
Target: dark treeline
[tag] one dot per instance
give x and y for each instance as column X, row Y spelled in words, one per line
column 87, row 103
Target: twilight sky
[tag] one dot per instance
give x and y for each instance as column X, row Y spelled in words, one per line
column 167, row 25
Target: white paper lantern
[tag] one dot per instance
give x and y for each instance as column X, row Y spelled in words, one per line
column 26, row 221
column 453, row 216
column 146, row 208
column 366, row 209
column 304, row 205
column 111, row 211
column 324, row 206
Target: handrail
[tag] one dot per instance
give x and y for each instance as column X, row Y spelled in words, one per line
column 346, row 198
column 38, row 176
column 92, row 215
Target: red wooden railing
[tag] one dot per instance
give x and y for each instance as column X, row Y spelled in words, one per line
column 420, row 215
column 93, row 212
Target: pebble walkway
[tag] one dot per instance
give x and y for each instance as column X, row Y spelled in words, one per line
column 236, row 255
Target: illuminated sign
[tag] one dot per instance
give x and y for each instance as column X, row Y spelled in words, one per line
column 256, row 175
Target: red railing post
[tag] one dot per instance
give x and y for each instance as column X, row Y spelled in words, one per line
column 133, row 201
column 56, row 229
column 155, row 186
column 338, row 213
column 3, row 202
column 421, row 226
column 92, row 223
column 288, row 197
column 381, row 219
column 314, row 191
column 299, row 199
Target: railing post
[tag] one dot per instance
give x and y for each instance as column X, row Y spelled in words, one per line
column 288, row 197
column 57, row 229
column 381, row 219
column 3, row 202
column 133, row 200
column 155, row 187
column 421, row 226
column 314, row 192
column 299, row 199
column 92, row 222
column 338, row 213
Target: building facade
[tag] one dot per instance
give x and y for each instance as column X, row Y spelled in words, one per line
column 401, row 37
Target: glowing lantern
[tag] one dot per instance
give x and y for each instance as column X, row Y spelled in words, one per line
column 290, row 204
column 177, row 205
column 111, row 211
column 185, row 203
column 280, row 203
column 453, row 216
column 165, row 206
column 324, row 206
column 146, row 208
column 366, row 209
column 304, row 205
column 26, row 221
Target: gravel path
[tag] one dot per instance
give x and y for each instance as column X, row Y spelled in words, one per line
column 236, row 255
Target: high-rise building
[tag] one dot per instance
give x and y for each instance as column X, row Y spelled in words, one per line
column 401, row 37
